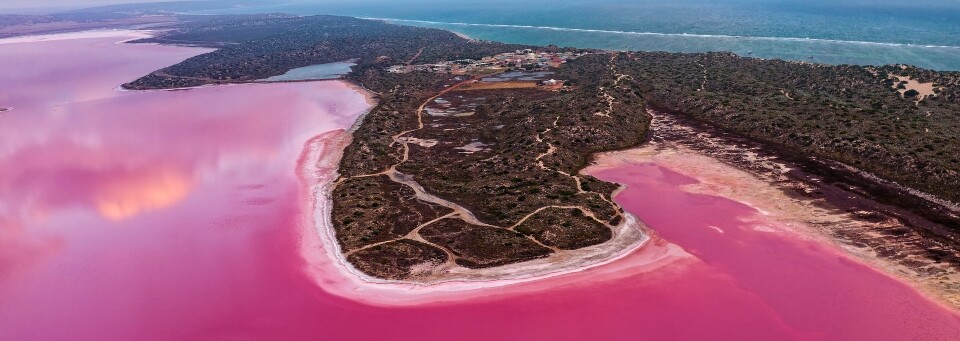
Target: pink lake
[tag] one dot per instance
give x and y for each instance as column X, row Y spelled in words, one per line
column 179, row 215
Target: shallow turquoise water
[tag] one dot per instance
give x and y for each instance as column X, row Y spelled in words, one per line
column 925, row 33
column 813, row 50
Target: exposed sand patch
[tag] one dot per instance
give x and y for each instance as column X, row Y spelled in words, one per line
column 473, row 147
column 786, row 94
column 461, row 35
column 426, row 143
column 924, row 89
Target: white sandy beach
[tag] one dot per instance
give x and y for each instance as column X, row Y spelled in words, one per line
column 632, row 242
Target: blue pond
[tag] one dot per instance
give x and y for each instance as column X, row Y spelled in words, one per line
column 318, row 71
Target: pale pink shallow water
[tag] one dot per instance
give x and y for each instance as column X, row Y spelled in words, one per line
column 177, row 215
column 810, row 286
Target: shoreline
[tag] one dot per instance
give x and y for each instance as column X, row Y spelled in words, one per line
column 628, row 237
column 83, row 34
column 368, row 96
column 446, row 289
column 229, row 83
column 236, row 253
column 863, row 231
column 458, row 285
column 331, row 273
column 781, row 212
column 355, row 285
column 327, row 266
column 461, row 35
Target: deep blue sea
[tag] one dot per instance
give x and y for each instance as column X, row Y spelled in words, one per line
column 924, row 33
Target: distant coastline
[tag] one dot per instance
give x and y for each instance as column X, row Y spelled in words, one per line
column 817, row 50
column 588, row 30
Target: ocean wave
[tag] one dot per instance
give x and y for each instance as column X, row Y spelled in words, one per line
column 688, row 35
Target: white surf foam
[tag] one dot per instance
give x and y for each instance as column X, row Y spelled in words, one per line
column 715, row 36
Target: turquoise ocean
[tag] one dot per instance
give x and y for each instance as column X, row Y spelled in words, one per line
column 924, row 33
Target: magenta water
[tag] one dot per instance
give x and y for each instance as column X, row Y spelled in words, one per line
column 180, row 215
column 811, row 287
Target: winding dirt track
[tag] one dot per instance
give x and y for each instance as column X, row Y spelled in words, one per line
column 460, row 212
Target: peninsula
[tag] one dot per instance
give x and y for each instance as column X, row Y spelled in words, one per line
column 472, row 157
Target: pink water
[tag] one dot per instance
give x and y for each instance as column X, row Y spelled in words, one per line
column 179, row 215
column 813, row 288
